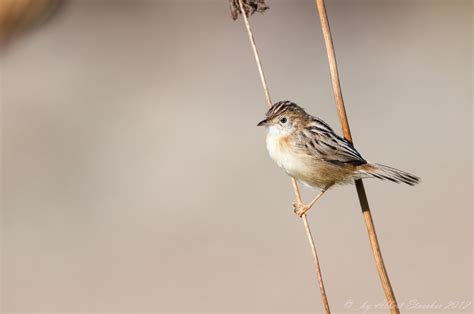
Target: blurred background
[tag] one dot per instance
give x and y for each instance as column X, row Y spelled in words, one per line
column 134, row 178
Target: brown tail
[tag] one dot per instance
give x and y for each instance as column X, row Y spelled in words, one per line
column 387, row 173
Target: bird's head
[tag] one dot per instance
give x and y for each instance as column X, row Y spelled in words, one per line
column 284, row 117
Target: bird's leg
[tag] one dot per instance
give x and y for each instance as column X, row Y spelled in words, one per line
column 300, row 208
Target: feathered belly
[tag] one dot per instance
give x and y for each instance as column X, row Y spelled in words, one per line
column 304, row 167
column 286, row 156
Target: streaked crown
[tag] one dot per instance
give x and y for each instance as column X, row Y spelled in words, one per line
column 285, row 107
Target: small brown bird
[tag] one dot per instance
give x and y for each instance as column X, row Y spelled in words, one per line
column 308, row 150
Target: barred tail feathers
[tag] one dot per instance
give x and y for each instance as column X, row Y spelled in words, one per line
column 383, row 172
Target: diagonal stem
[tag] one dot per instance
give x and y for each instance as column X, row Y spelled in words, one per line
column 295, row 184
column 257, row 57
column 297, row 190
column 316, row 265
column 389, row 294
column 313, row 248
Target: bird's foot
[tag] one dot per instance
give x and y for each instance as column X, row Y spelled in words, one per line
column 300, row 209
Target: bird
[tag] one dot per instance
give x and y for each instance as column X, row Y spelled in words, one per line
column 309, row 150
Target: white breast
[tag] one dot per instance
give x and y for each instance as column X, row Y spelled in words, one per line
column 284, row 155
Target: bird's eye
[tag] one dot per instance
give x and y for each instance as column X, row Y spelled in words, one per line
column 283, row 120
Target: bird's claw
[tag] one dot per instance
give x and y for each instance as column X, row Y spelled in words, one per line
column 300, row 209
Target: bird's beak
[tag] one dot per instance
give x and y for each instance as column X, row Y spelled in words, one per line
column 263, row 122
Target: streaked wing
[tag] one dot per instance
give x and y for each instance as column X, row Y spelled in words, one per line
column 318, row 138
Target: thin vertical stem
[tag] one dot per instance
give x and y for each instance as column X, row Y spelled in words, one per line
column 313, row 249
column 294, row 183
column 257, row 57
column 316, row 264
column 389, row 294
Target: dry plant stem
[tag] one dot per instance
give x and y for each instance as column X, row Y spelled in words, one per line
column 297, row 190
column 313, row 247
column 257, row 57
column 316, row 265
column 347, row 134
column 295, row 184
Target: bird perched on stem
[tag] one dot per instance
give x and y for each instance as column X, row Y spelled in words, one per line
column 307, row 148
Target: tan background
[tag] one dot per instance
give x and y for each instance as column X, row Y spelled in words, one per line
column 134, row 177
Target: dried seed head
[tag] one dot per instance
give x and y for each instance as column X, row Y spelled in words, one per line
column 250, row 7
